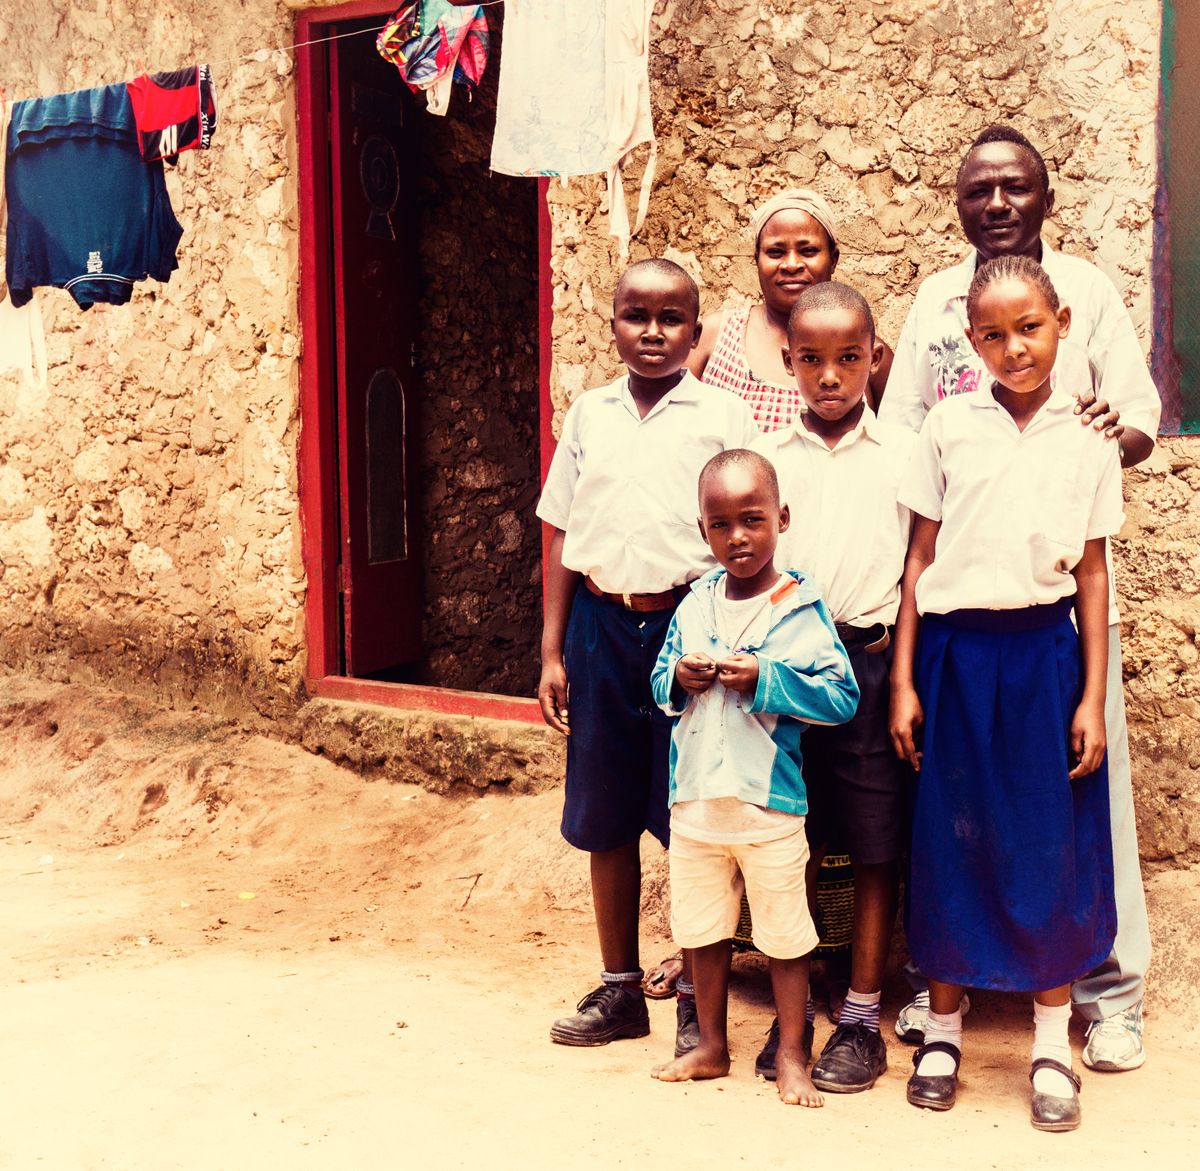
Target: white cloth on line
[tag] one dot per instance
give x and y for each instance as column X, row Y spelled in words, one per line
column 574, row 97
column 23, row 341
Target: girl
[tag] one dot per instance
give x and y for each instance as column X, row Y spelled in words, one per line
column 1011, row 884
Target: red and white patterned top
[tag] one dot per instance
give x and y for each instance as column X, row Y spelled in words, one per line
column 774, row 407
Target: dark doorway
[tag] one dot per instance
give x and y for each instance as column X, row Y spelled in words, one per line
column 433, row 324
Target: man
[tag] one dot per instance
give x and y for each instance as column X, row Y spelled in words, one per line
column 1003, row 196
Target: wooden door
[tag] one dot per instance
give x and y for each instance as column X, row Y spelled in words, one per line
column 374, row 280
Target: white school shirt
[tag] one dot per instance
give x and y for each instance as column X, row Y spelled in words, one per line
column 623, row 488
column 934, row 360
column 849, row 533
column 1015, row 506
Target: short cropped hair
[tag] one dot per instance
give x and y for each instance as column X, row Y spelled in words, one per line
column 1003, row 268
column 740, row 455
column 998, row 132
column 832, row 295
column 665, row 268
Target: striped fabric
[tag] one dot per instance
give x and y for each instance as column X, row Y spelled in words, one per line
column 773, row 406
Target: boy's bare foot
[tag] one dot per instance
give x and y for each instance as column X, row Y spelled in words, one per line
column 794, row 1085
column 699, row 1064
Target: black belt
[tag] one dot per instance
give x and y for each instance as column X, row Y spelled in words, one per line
column 873, row 639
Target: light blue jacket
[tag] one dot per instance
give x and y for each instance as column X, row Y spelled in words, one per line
column 724, row 745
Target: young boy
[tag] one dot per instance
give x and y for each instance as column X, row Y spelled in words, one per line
column 846, row 467
column 620, row 496
column 751, row 655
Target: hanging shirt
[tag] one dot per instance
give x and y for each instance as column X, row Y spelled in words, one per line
column 550, row 107
column 174, row 112
column 85, row 213
column 574, row 96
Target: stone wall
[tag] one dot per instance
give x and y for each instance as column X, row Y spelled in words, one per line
column 872, row 102
column 149, row 534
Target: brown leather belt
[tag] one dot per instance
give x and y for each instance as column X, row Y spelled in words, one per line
column 873, row 639
column 640, row 603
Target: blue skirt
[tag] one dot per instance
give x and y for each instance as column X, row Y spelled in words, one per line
column 1011, row 885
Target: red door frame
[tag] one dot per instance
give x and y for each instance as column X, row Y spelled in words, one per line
column 317, row 490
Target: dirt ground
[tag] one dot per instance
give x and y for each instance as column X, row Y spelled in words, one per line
column 223, row 952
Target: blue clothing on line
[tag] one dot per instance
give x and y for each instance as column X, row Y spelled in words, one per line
column 85, row 213
column 1012, row 884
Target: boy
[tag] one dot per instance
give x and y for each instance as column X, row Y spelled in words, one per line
column 620, row 496
column 750, row 654
column 846, row 467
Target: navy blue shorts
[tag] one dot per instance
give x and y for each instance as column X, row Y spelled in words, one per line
column 618, row 752
column 858, row 789
column 85, row 213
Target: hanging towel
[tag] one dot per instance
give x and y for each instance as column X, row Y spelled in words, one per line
column 434, row 43
column 575, row 96
column 174, row 112
column 85, row 213
column 23, row 341
column 550, row 109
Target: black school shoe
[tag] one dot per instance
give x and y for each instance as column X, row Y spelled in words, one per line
column 853, row 1057
column 764, row 1063
column 934, row 1091
column 687, row 1026
column 608, row 1013
column 1049, row 1111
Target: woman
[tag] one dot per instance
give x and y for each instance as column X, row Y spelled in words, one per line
column 741, row 346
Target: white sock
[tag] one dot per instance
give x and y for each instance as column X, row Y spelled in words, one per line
column 941, row 1027
column 1050, row 1040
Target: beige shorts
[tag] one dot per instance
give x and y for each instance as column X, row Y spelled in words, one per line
column 707, row 881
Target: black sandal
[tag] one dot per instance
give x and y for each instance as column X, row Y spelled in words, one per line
column 1049, row 1111
column 934, row 1091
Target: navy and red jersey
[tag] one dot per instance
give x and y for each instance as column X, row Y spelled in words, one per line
column 174, row 111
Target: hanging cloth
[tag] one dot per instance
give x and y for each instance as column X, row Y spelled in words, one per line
column 434, row 43
column 3, row 199
column 23, row 341
column 575, row 96
column 174, row 112
column 627, row 107
column 550, row 110
column 85, row 213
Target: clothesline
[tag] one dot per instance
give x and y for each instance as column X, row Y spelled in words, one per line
column 264, row 53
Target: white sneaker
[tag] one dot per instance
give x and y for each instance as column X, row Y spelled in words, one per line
column 911, row 1021
column 1115, row 1043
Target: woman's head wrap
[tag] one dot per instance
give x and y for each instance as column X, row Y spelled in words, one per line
column 796, row 199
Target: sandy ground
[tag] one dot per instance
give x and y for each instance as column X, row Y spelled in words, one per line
column 222, row 952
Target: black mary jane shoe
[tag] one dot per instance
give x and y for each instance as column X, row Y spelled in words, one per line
column 1049, row 1111
column 935, row 1091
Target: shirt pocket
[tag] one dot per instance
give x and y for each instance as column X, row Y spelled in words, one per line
column 681, row 469
column 1057, row 541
